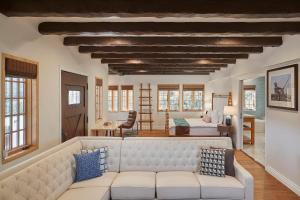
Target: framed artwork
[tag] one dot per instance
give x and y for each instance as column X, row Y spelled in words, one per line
column 282, row 88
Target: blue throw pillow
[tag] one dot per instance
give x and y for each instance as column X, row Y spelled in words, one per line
column 87, row 166
column 102, row 159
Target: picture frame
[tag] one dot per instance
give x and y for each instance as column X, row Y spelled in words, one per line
column 282, row 88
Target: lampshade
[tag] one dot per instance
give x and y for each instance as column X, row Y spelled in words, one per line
column 229, row 110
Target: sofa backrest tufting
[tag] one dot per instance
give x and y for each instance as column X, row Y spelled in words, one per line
column 51, row 173
column 114, row 149
column 166, row 154
column 46, row 179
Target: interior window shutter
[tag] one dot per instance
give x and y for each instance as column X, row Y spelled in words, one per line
column 168, row 87
column 193, row 87
column 99, row 82
column 127, row 87
column 249, row 87
column 20, row 69
column 113, row 87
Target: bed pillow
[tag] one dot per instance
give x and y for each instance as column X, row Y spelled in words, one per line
column 220, row 118
column 214, row 117
column 207, row 119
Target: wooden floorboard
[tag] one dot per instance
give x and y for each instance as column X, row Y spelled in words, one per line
column 266, row 187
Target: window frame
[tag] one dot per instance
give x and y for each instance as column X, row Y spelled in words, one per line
column 31, row 109
column 112, row 98
column 168, row 88
column 193, row 89
column 249, row 88
column 98, row 100
column 127, row 98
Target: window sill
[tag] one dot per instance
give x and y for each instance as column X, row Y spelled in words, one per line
column 19, row 154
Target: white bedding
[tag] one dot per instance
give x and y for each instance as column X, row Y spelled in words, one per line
column 197, row 127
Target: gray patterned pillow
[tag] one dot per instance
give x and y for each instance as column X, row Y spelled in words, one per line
column 213, row 162
column 102, row 159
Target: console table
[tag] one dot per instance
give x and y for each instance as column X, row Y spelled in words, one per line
column 108, row 130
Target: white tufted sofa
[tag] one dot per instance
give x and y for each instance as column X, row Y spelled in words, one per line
column 139, row 168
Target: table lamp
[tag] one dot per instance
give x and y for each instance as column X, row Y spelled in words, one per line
column 228, row 112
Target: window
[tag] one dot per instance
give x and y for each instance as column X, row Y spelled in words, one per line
column 250, row 97
column 20, row 133
column 74, row 97
column 127, row 97
column 113, row 99
column 98, row 99
column 193, row 97
column 168, row 97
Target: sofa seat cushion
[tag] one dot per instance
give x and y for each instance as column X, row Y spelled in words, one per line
column 102, row 181
column 213, row 187
column 134, row 185
column 177, row 185
column 91, row 193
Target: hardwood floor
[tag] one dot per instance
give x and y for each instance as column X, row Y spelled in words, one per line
column 266, row 187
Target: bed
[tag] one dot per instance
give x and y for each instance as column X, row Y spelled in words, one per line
column 198, row 126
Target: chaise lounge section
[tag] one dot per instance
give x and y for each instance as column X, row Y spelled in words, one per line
column 138, row 168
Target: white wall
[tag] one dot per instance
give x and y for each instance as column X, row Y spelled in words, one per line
column 19, row 37
column 282, row 127
column 136, row 80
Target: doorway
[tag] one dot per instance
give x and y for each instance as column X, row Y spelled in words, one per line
column 253, row 111
column 74, row 106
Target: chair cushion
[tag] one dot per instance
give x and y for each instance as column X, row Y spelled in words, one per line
column 134, row 185
column 177, row 185
column 213, row 187
column 91, row 193
column 103, row 181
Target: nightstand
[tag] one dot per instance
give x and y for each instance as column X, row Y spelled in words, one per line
column 225, row 130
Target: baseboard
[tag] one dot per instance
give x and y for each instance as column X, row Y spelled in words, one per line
column 287, row 182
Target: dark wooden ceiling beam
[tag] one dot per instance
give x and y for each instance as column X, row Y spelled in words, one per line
column 168, row 49
column 169, row 61
column 169, row 28
column 173, row 41
column 155, row 8
column 165, row 68
column 165, row 73
column 166, row 55
column 149, row 66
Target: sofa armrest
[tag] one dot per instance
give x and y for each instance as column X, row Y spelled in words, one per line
column 246, row 179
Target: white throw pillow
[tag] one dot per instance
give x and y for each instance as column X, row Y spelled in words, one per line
column 214, row 117
column 220, row 118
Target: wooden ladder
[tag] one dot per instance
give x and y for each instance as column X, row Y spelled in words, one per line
column 145, row 107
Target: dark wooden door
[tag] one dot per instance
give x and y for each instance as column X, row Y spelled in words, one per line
column 74, row 101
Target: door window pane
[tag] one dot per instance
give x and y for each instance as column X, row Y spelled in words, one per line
column 15, row 106
column 21, row 122
column 21, row 138
column 7, row 107
column 15, row 89
column 74, row 97
column 15, row 123
column 7, row 124
column 21, row 90
column 15, row 138
column 7, row 142
column 7, row 89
